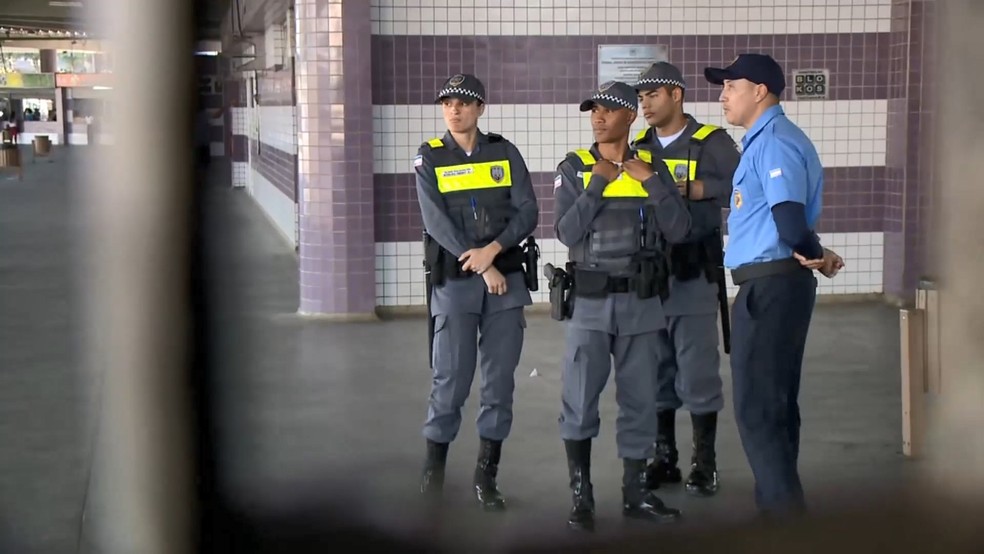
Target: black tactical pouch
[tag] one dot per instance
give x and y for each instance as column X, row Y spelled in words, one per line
column 531, row 257
column 685, row 260
column 510, row 261
column 590, row 284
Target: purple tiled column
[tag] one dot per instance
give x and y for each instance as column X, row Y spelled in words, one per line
column 334, row 148
column 910, row 176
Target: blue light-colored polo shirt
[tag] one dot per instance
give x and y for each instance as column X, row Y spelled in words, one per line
column 778, row 164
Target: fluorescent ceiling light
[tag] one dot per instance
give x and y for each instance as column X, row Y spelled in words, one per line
column 101, row 87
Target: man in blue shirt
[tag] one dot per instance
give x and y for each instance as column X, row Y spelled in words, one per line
column 771, row 250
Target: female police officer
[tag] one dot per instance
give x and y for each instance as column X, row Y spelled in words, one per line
column 776, row 202
column 476, row 199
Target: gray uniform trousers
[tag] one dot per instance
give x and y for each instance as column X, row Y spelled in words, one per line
column 469, row 321
column 688, row 362
column 622, row 327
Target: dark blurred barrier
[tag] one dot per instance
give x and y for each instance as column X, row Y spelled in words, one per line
column 144, row 285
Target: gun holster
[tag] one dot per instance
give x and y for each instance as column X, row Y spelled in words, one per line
column 561, row 286
column 531, row 258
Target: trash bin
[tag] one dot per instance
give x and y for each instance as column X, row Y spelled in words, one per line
column 9, row 153
column 42, row 145
column 9, row 156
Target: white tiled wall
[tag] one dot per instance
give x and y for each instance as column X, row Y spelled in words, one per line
column 846, row 133
column 277, row 127
column 280, row 209
column 628, row 17
column 240, row 122
column 400, row 276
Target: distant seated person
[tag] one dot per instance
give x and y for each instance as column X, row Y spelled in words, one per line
column 11, row 127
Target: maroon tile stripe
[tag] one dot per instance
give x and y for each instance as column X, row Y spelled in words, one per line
column 274, row 165
column 407, row 70
column 853, row 203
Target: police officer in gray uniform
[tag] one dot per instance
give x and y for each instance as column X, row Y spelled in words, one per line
column 702, row 159
column 477, row 203
column 614, row 213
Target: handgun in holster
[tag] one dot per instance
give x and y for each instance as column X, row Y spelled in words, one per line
column 561, row 286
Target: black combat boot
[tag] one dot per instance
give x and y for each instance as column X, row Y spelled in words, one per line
column 486, row 490
column 663, row 468
column 579, row 468
column 703, row 479
column 637, row 501
column 432, row 480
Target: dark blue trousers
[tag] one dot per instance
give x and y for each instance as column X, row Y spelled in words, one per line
column 771, row 317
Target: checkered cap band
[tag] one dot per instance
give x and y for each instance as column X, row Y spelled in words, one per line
column 660, row 81
column 458, row 90
column 620, row 101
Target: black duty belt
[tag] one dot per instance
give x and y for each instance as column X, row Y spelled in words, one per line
column 764, row 269
column 613, row 285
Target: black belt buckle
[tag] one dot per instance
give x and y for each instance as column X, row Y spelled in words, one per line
column 619, row 284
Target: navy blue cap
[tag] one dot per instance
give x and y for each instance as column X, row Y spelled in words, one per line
column 463, row 86
column 760, row 69
column 613, row 95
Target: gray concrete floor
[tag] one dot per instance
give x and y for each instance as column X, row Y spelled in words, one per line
column 313, row 411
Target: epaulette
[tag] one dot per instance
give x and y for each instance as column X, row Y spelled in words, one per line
column 701, row 134
column 493, row 137
column 644, row 155
column 435, row 143
column 643, row 135
column 585, row 156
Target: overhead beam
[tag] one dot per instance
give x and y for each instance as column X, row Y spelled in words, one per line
column 84, row 45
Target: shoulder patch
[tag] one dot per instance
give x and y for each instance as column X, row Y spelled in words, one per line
column 558, row 180
column 775, row 173
column 418, row 160
column 436, row 143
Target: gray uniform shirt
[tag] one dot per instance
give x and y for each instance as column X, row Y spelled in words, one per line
column 575, row 207
column 716, row 167
column 470, row 295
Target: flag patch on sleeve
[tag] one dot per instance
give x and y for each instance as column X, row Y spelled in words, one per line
column 418, row 161
column 557, row 182
column 777, row 172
